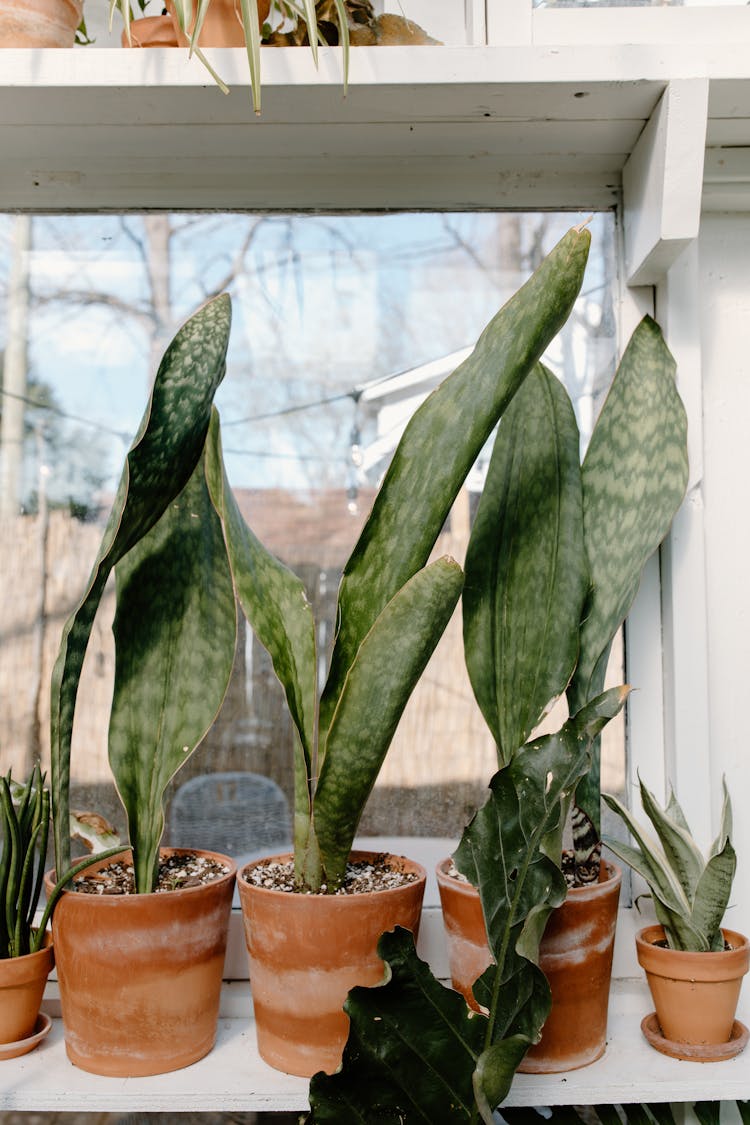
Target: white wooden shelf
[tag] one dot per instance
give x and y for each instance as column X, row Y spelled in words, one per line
column 232, row 1078
column 530, row 125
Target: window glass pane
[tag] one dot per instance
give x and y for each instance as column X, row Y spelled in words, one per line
column 341, row 325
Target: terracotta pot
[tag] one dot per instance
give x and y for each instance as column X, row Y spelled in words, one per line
column 575, row 956
column 140, row 975
column 695, row 994
column 39, row 23
column 306, row 952
column 22, row 982
column 150, row 31
column 222, row 26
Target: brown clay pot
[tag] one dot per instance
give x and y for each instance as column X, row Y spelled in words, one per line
column 150, row 31
column 22, row 982
column 39, row 23
column 695, row 994
column 306, row 952
column 140, row 975
column 222, row 26
column 575, row 955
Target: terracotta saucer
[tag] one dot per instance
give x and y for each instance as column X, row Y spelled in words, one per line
column 23, row 1046
column 695, row 1052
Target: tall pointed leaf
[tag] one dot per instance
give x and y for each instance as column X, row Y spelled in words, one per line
column 161, row 460
column 175, row 633
column 680, row 849
column 712, row 895
column 526, row 570
column 634, row 478
column 439, row 446
column 390, row 660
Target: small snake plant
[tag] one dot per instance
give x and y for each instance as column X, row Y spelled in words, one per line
column 690, row 893
column 25, row 817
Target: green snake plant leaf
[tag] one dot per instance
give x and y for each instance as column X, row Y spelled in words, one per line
column 416, row 1054
column 390, row 660
column 439, row 446
column 175, row 633
column 682, row 854
column 712, row 895
column 526, row 569
column 725, row 826
column 165, row 451
column 634, row 477
column 275, row 603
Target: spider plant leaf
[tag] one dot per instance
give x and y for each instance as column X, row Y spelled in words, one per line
column 311, row 20
column 712, row 895
column 175, row 633
column 343, row 40
column 274, row 601
column 161, row 460
column 381, row 679
column 526, row 569
column 683, row 856
column 251, row 25
column 439, row 446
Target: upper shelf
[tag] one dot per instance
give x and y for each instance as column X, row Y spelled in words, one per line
column 434, row 127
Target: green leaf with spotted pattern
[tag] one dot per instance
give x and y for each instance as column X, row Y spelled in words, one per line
column 439, row 446
column 175, row 632
column 161, row 460
column 634, row 477
column 526, row 570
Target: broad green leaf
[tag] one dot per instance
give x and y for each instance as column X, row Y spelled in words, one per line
column 634, row 477
column 175, row 633
column 526, row 570
column 495, row 1072
column 712, row 895
column 381, row 679
column 161, row 460
column 413, row 1045
column 439, row 446
column 679, row 847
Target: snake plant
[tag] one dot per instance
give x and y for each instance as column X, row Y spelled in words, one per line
column 24, row 817
column 182, row 552
column 690, row 894
column 557, row 548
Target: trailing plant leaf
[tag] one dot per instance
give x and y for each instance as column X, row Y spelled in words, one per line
column 175, row 634
column 439, row 446
column 526, row 569
column 415, row 1052
column 381, row 679
column 690, row 895
column 161, row 460
column 634, row 477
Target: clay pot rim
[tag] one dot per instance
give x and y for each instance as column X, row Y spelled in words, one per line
column 112, row 901
column 646, row 947
column 590, row 891
column 18, row 965
column 358, row 896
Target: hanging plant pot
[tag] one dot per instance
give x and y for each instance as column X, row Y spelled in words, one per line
column 307, row 951
column 39, row 23
column 140, row 975
column 150, row 31
column 695, row 996
column 222, row 26
column 575, row 955
column 22, row 983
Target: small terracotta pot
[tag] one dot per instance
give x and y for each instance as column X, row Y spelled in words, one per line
column 575, row 955
column 39, row 23
column 22, row 982
column 222, row 26
column 695, row 994
column 307, row 951
column 140, row 975
column 150, row 31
